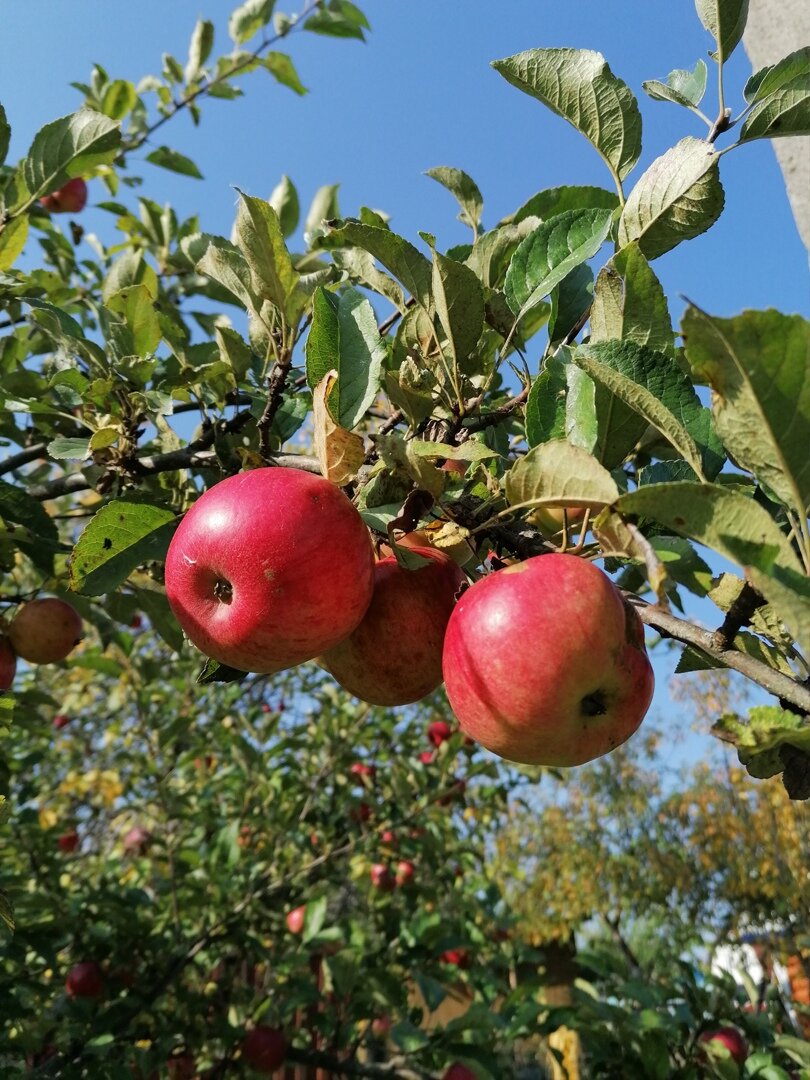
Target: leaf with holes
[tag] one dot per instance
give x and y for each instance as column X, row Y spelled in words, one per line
column 122, row 535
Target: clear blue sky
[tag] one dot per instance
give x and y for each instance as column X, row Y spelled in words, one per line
column 419, row 93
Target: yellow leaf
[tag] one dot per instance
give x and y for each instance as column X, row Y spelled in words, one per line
column 339, row 452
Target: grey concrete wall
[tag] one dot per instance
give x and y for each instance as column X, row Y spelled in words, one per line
column 776, row 28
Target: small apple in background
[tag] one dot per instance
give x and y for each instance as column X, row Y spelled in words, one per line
column 550, row 519
column 381, row 877
column 388, row 837
column 452, row 465
column 181, row 1067
column 71, row 198
column 136, row 622
column 729, row 1037
column 457, row 957
column 8, row 664
column 361, row 813
column 439, row 732
column 265, row 707
column 295, row 919
column 137, row 841
column 60, row 721
column 380, row 1026
column 85, row 980
column 45, row 631
column 426, row 757
column 457, row 1071
column 393, row 656
column 363, row 771
column 404, row 873
column 264, row 1048
column 305, row 587
column 545, row 663
column 68, row 841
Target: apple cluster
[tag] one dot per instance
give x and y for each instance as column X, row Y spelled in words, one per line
column 43, row 631
column 544, row 661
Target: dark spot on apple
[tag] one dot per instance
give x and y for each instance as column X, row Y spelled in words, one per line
column 107, row 543
column 594, row 704
column 223, row 591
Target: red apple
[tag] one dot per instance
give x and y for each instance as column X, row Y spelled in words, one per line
column 45, row 631
column 457, row 1071
column 381, row 877
column 137, row 840
column 269, row 568
column 380, row 1026
column 265, row 707
column 295, row 920
column 404, row 873
column 85, row 980
column 545, row 664
column 729, row 1037
column 361, row 812
column 387, row 836
column 8, row 664
column 457, row 957
column 136, row 622
column 60, row 721
column 426, row 757
column 359, row 768
column 68, row 841
column 439, row 731
column 394, row 656
column 181, row 1067
column 68, row 199
column 264, row 1048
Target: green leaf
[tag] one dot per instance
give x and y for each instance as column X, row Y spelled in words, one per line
column 578, row 85
column 765, row 730
column 344, row 337
column 122, row 535
column 199, row 49
column 42, row 537
column 249, row 18
column 560, row 474
column 678, row 198
column 405, row 262
column 71, row 146
column 545, row 405
column 459, row 302
column 629, row 303
column 570, row 301
column 471, row 450
column 119, row 99
column 774, row 77
column 156, row 608
column 786, row 108
column 725, row 20
column 758, row 366
column 12, row 240
column 283, row 71
column 314, row 918
column 646, row 381
column 683, row 87
column 6, row 911
column 62, row 448
column 167, row 158
column 226, row 265
column 259, row 236
column 466, row 193
column 552, row 201
column 137, row 307
column 338, row 18
column 5, row 135
column 551, row 252
column 323, row 208
column 214, row 672
column 284, row 200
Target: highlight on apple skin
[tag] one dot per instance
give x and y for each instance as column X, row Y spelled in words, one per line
column 544, row 663
column 269, row 568
column 394, row 655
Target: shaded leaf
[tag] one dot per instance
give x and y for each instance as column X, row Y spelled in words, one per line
column 465, row 190
column 725, row 20
column 560, row 474
column 259, row 236
column 570, row 302
column 459, row 302
column 71, row 146
column 284, row 200
column 402, row 259
column 629, row 303
column 339, row 452
column 283, row 70
column 199, row 49
column 782, row 105
column 682, row 87
column 552, row 201
column 170, row 159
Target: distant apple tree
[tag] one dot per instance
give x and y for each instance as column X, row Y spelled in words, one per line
column 468, row 394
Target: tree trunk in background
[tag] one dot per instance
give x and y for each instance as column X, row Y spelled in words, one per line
column 773, row 31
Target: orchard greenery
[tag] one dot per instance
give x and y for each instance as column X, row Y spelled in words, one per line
column 461, row 393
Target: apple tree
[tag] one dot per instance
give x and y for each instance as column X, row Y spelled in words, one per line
column 520, row 405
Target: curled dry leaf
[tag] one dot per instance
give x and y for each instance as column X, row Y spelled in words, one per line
column 340, row 452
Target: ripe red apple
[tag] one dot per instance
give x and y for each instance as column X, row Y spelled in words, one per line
column 45, row 631
column 60, row 721
column 381, row 877
column 68, row 841
column 545, row 664
column 439, row 731
column 136, row 622
column 457, row 1071
column 269, row 568
column 394, row 656
column 359, row 768
column 426, row 757
column 730, row 1037
column 361, row 813
column 404, row 873
column 264, row 1048
column 295, row 920
column 85, row 980
column 181, row 1067
column 137, row 840
column 380, row 1026
column 388, row 837
column 457, row 957
column 8, row 664
column 68, row 199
